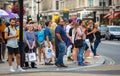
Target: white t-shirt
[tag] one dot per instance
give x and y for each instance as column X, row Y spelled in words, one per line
column 68, row 28
column 13, row 41
column 73, row 35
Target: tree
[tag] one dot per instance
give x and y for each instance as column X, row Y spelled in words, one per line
column 15, row 9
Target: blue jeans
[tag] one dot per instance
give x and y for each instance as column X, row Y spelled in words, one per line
column 96, row 43
column 62, row 51
column 81, row 53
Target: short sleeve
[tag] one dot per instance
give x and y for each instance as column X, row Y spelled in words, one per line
column 57, row 30
column 6, row 29
column 47, row 32
column 67, row 29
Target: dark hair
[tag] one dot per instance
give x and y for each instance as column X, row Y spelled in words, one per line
column 12, row 19
column 70, row 20
column 47, row 23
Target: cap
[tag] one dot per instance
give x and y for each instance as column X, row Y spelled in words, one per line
column 79, row 20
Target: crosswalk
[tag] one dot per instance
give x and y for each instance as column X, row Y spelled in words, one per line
column 117, row 43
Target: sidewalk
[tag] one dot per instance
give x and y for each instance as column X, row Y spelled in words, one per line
column 97, row 61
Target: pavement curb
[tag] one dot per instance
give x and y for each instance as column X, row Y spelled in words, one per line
column 100, row 60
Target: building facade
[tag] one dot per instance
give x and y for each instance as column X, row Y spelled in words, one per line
column 80, row 8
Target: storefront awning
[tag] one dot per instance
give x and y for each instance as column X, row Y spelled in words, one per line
column 107, row 15
column 115, row 14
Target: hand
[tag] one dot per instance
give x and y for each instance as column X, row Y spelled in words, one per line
column 15, row 35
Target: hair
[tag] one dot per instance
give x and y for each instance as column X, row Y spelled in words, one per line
column 76, row 26
column 70, row 20
column 12, row 19
column 47, row 23
column 59, row 19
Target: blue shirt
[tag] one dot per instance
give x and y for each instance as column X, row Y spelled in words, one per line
column 30, row 36
column 59, row 29
column 48, row 33
column 40, row 36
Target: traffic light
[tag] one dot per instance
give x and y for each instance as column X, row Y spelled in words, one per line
column 40, row 16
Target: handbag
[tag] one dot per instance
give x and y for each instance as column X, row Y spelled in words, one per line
column 78, row 42
column 31, row 57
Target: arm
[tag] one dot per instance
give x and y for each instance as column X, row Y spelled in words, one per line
column 27, row 40
column 68, row 36
column 93, row 31
column 59, row 37
column 47, row 39
column 1, row 39
column 10, row 36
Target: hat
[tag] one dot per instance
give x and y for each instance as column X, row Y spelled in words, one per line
column 79, row 20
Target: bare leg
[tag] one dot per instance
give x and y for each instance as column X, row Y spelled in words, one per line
column 39, row 54
column 75, row 54
column 10, row 56
column 86, row 54
column 18, row 59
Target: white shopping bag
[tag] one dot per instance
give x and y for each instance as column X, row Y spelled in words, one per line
column 49, row 52
column 30, row 57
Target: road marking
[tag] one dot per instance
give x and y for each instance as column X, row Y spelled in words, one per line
column 110, row 42
column 111, row 61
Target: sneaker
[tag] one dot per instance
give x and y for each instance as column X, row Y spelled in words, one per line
column 97, row 55
column 48, row 64
column 11, row 70
column 1, row 61
column 63, row 66
column 75, row 62
column 20, row 69
column 58, row 65
column 82, row 64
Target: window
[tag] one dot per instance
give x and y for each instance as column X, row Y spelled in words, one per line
column 102, row 3
column 90, row 2
column 110, row 2
column 57, row 5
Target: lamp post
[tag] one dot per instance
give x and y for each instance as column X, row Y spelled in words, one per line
column 94, row 16
column 38, row 2
column 103, row 4
column 113, row 10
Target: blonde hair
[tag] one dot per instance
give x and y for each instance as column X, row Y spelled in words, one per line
column 76, row 26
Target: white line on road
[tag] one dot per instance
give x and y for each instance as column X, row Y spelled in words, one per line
column 110, row 42
column 111, row 61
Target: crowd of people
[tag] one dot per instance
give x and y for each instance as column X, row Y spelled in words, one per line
column 59, row 35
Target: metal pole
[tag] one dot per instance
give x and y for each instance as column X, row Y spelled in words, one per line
column 113, row 10
column 103, row 10
column 38, row 12
column 21, row 27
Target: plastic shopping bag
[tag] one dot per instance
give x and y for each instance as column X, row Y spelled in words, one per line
column 49, row 52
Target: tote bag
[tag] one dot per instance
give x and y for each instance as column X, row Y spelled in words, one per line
column 30, row 57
